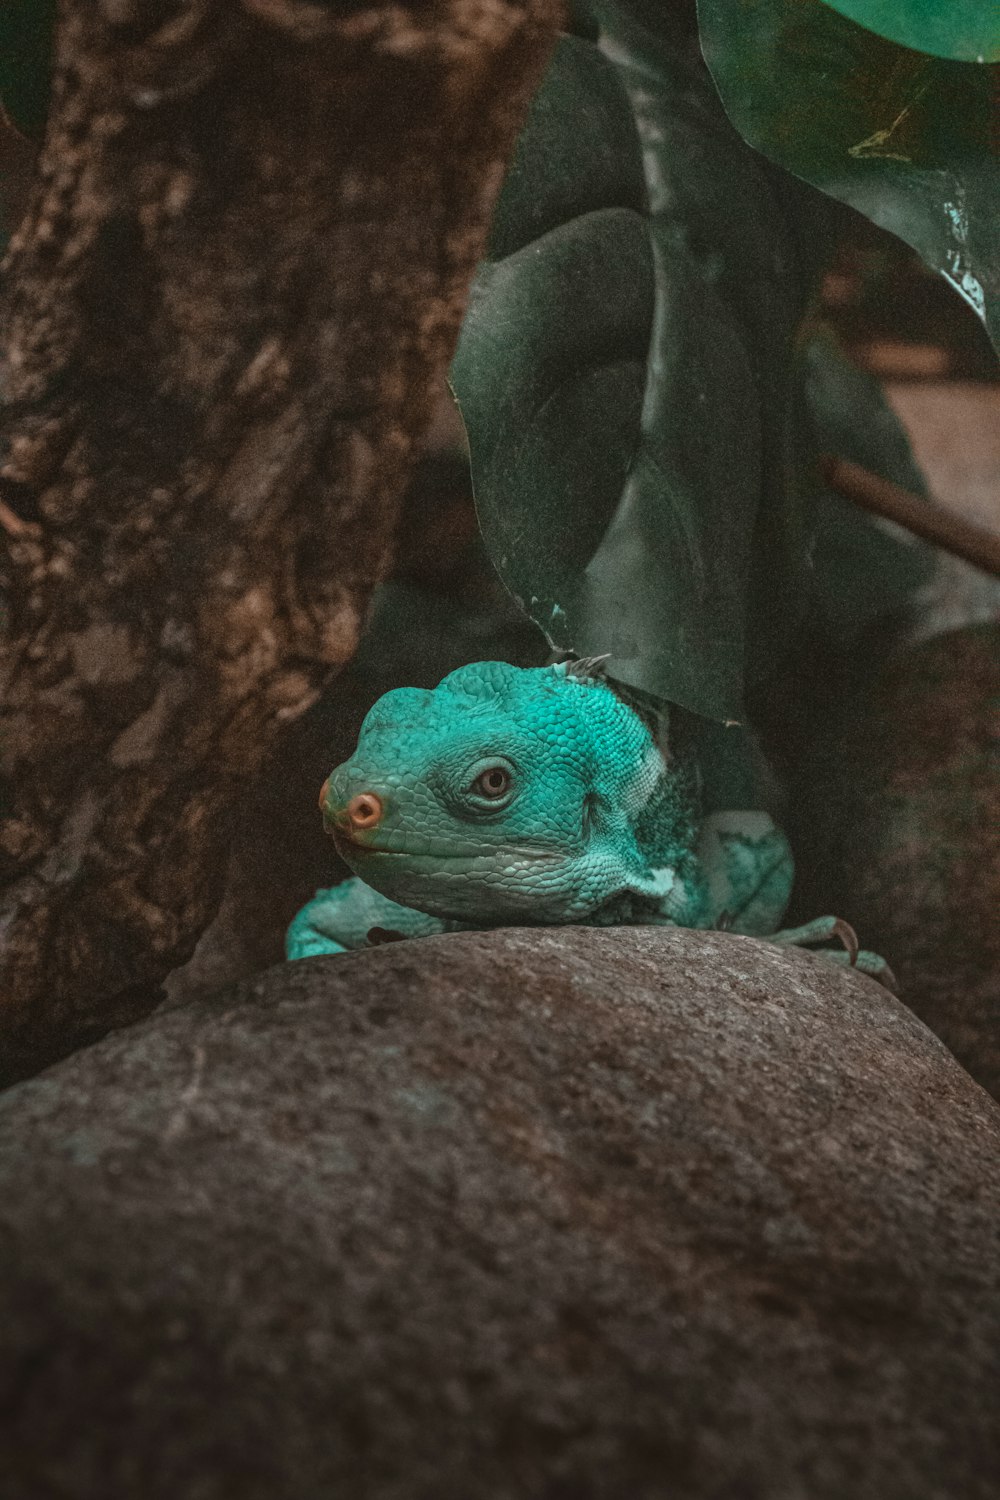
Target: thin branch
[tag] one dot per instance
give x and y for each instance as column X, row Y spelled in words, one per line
column 941, row 528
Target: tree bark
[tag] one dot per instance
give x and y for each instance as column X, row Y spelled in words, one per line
column 239, row 279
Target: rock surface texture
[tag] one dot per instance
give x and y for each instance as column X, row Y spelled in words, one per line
column 557, row 1213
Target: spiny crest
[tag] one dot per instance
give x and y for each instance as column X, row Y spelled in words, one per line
column 585, row 667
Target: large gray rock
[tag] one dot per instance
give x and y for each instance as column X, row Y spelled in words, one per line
column 562, row 1214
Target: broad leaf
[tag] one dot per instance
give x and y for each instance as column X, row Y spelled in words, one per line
column 964, row 30
column 908, row 139
column 629, row 373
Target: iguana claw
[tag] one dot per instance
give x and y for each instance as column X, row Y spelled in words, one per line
column 824, row 930
column 820, row 930
column 845, row 932
column 872, row 964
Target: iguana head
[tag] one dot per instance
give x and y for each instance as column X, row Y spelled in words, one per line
column 505, row 794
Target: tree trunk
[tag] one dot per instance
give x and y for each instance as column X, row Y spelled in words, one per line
column 239, row 279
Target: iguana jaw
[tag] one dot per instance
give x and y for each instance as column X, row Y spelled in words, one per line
column 520, row 884
column 350, row 848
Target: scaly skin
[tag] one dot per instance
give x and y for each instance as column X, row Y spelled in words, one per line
column 511, row 795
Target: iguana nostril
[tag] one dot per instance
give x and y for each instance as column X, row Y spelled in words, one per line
column 322, row 794
column 364, row 810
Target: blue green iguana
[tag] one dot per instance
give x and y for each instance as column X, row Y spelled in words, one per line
column 511, row 795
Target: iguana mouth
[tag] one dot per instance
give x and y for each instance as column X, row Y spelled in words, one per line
column 343, row 841
column 525, row 851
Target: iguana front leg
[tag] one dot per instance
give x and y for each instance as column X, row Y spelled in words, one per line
column 748, row 871
column 352, row 915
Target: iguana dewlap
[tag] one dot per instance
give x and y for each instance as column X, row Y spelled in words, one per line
column 510, row 795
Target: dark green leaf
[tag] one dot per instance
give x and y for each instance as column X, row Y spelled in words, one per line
column 963, row 30
column 610, row 369
column 642, row 449
column 908, row 139
column 25, row 61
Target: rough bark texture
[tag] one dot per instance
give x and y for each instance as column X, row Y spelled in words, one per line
column 226, row 313
column 574, row 1214
column 899, row 813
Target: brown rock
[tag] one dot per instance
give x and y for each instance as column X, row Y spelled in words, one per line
column 553, row 1213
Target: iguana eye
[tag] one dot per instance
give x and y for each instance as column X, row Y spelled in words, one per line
column 487, row 788
column 493, row 782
